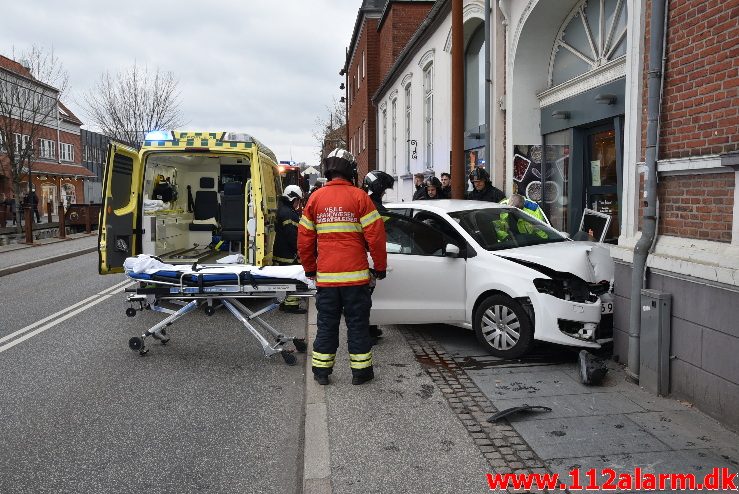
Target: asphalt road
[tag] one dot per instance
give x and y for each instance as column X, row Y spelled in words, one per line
column 80, row 412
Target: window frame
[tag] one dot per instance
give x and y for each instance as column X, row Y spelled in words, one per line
column 428, row 113
column 408, row 117
column 394, row 129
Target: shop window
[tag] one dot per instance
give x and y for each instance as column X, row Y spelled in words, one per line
column 394, row 129
column 384, row 139
column 428, row 114
column 408, row 115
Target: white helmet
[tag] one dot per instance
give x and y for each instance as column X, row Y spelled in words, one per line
column 292, row 192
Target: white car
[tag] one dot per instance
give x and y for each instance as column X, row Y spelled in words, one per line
column 494, row 269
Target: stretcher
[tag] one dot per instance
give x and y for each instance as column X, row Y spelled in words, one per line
column 210, row 286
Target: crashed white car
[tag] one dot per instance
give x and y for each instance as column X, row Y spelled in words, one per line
column 497, row 270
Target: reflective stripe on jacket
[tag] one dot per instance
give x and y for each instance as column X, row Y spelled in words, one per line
column 338, row 224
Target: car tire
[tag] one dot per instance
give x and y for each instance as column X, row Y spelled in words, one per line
column 503, row 327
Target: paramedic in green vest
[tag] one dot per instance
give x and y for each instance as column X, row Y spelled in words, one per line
column 285, row 251
column 527, row 206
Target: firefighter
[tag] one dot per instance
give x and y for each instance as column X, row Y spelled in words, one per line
column 376, row 184
column 338, row 224
column 285, row 251
column 482, row 188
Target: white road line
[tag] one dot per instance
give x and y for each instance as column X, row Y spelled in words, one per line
column 90, row 301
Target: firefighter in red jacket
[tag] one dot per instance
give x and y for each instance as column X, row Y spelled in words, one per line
column 338, row 224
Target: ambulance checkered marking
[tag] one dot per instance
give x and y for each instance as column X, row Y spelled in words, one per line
column 200, row 139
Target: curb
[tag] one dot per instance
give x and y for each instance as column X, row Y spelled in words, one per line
column 316, row 451
column 41, row 262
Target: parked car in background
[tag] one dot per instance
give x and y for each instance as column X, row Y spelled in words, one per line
column 497, row 270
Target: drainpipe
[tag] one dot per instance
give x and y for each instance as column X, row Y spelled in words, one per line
column 488, row 88
column 655, row 77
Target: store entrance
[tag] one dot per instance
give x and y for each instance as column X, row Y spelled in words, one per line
column 602, row 174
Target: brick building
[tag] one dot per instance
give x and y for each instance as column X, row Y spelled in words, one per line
column 568, row 87
column 381, row 31
column 56, row 172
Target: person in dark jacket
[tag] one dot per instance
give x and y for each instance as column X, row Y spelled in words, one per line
column 376, row 184
column 482, row 188
column 420, row 192
column 285, row 251
column 433, row 188
column 446, row 186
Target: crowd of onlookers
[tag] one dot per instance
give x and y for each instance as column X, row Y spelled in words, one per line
column 9, row 205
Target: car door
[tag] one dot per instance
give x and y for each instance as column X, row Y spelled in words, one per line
column 423, row 284
column 119, row 234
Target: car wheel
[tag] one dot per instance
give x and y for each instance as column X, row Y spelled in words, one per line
column 503, row 327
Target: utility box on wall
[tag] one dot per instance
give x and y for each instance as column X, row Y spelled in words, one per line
column 654, row 348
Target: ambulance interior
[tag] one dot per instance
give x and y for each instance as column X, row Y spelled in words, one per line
column 191, row 203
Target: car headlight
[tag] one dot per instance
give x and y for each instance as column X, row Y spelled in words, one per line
column 571, row 288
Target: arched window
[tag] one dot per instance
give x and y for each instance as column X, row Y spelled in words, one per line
column 593, row 35
column 474, row 80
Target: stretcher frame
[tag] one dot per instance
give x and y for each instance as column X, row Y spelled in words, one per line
column 189, row 295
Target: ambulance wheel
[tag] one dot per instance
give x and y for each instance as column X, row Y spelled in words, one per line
column 209, row 310
column 130, row 312
column 136, row 343
column 503, row 327
column 289, row 358
column 300, row 345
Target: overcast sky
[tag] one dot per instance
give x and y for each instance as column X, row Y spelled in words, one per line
column 266, row 67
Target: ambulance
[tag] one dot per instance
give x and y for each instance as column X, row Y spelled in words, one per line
column 189, row 197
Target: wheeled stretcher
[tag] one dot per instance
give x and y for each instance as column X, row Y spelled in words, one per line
column 208, row 285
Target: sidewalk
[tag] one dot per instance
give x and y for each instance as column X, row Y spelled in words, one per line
column 18, row 257
column 421, row 425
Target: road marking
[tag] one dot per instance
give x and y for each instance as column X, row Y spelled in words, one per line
column 63, row 315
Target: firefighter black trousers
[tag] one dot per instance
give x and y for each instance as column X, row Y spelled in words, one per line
column 355, row 303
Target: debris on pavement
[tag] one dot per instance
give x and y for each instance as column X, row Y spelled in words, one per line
column 522, row 408
column 592, row 368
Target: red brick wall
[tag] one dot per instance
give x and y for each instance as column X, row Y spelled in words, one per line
column 401, row 21
column 697, row 206
column 700, row 108
column 361, row 109
column 700, row 114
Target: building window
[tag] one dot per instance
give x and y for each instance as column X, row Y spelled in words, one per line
column 408, row 129
column 47, row 149
column 384, row 139
column 593, row 35
column 364, row 66
column 364, row 134
column 428, row 114
column 2, row 142
column 66, row 152
column 359, row 76
column 394, row 130
column 21, row 142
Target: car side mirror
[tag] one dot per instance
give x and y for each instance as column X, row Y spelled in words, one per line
column 451, row 250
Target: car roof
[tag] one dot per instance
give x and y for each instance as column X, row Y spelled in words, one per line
column 446, row 205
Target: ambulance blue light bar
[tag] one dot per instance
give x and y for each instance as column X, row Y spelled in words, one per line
column 159, row 135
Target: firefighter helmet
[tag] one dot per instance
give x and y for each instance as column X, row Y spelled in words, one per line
column 340, row 162
column 377, row 182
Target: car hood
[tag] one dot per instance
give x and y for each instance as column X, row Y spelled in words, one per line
column 587, row 260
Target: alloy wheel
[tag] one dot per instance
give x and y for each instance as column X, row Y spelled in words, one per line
column 501, row 327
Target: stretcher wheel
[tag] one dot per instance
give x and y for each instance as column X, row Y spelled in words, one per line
column 300, row 345
column 209, row 311
column 289, row 358
column 136, row 343
column 130, row 312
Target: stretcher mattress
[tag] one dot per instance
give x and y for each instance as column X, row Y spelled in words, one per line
column 148, row 268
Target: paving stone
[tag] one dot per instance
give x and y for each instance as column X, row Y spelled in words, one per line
column 587, row 436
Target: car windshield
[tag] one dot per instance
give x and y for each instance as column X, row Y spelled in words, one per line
column 505, row 228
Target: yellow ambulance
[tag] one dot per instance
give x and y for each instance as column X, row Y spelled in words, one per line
column 189, row 197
